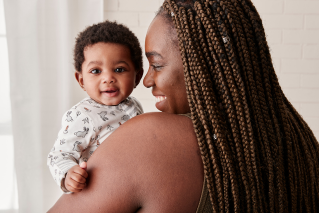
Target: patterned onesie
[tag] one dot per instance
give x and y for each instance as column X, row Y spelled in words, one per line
column 84, row 127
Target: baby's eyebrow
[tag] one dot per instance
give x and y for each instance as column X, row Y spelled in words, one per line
column 124, row 62
column 153, row 53
column 95, row 62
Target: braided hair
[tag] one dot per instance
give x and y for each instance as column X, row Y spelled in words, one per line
column 258, row 154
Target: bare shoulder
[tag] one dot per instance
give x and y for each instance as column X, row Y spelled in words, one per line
column 159, row 118
column 151, row 163
column 159, row 122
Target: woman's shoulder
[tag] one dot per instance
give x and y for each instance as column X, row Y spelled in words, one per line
column 153, row 131
column 160, row 155
column 152, row 162
column 157, row 126
column 153, row 119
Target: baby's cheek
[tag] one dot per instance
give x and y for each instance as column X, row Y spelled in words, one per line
column 126, row 89
column 129, row 84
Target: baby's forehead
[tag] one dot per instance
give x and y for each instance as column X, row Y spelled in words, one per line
column 110, row 52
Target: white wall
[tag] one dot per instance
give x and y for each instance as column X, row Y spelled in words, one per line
column 292, row 27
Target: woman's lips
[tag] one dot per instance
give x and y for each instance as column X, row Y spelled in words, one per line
column 160, row 98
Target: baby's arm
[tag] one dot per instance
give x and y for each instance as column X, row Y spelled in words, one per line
column 73, row 138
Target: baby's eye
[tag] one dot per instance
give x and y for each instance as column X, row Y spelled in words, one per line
column 119, row 69
column 95, row 71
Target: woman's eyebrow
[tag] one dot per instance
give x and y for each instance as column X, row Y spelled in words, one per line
column 153, row 53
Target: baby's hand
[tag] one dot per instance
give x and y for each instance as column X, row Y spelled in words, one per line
column 75, row 179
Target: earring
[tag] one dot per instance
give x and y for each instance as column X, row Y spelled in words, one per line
column 226, row 39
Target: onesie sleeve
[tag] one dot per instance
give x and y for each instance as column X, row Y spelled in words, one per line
column 76, row 133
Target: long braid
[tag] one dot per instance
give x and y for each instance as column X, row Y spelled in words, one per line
column 258, row 106
column 258, row 153
column 240, row 55
column 199, row 84
column 263, row 49
column 235, row 96
column 238, row 108
column 192, row 92
column 266, row 146
column 209, row 103
column 207, row 58
column 222, row 146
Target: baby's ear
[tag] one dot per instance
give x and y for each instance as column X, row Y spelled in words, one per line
column 79, row 77
column 139, row 76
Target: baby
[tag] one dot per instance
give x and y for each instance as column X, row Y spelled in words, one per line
column 108, row 63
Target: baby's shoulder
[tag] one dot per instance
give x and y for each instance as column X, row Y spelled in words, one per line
column 132, row 106
column 88, row 105
column 85, row 107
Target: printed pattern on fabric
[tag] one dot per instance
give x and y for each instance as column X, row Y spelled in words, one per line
column 84, row 127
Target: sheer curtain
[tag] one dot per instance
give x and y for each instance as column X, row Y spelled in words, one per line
column 8, row 192
column 40, row 35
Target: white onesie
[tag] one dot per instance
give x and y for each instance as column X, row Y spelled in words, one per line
column 84, row 127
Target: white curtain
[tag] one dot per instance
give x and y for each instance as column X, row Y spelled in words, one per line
column 41, row 35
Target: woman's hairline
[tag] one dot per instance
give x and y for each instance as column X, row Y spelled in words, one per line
column 172, row 32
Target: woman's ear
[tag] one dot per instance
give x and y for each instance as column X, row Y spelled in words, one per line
column 79, row 78
column 138, row 78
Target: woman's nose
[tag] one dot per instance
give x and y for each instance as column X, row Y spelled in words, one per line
column 108, row 77
column 148, row 79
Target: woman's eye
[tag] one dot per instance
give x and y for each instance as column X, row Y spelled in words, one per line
column 156, row 67
column 119, row 70
column 95, row 71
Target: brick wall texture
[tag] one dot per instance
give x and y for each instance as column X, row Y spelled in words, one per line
column 292, row 29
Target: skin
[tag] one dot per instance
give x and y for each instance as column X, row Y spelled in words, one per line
column 151, row 163
column 75, row 179
column 108, row 76
column 165, row 70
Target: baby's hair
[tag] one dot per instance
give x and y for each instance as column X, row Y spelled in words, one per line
column 108, row 32
column 259, row 155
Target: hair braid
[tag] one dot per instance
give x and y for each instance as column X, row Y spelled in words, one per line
column 207, row 97
column 192, row 92
column 241, row 59
column 198, row 95
column 222, row 145
column 235, row 95
column 264, row 53
column 262, row 119
column 203, row 47
column 258, row 154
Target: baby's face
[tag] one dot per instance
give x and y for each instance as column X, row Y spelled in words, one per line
column 108, row 74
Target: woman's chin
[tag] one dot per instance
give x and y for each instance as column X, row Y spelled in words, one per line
column 161, row 106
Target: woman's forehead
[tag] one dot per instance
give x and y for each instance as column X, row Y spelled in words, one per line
column 157, row 29
column 158, row 37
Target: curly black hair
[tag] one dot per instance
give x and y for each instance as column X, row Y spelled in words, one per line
column 108, row 32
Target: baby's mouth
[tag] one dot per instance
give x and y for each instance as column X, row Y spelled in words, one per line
column 159, row 98
column 111, row 92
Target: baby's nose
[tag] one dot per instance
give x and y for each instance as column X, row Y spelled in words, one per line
column 108, row 78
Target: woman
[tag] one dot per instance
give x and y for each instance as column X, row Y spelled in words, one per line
column 245, row 148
